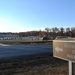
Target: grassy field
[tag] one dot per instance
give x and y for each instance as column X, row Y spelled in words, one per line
column 17, row 42
column 41, row 65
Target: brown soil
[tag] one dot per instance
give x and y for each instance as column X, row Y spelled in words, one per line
column 41, row 65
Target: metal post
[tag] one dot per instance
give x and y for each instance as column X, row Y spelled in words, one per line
column 70, row 67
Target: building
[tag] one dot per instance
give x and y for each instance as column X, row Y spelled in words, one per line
column 8, row 36
column 12, row 36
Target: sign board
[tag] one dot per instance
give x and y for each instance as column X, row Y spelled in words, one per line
column 64, row 49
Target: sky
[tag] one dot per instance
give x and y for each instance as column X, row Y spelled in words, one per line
column 28, row 15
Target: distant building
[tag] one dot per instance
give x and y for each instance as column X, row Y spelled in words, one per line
column 11, row 36
column 8, row 36
column 31, row 38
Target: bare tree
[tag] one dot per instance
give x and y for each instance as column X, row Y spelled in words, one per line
column 47, row 30
column 53, row 32
column 56, row 29
column 62, row 31
column 73, row 31
column 68, row 33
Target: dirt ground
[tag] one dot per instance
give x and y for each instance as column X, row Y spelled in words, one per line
column 41, row 65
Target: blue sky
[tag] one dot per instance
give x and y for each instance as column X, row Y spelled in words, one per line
column 27, row 15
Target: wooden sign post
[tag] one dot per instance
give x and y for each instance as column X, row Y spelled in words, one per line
column 65, row 50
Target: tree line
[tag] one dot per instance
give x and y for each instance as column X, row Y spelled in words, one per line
column 69, row 32
column 52, row 32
